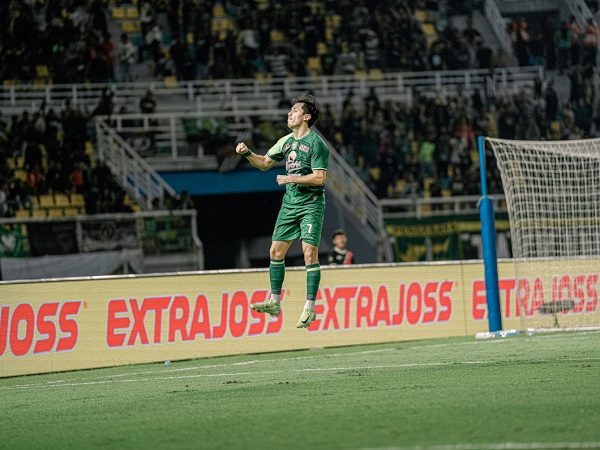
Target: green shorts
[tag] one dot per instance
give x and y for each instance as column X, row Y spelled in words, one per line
column 300, row 222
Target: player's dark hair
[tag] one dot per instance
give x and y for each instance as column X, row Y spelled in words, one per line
column 310, row 106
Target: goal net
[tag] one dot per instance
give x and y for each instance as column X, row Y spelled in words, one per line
column 552, row 191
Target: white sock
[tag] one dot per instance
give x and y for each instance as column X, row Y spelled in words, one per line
column 277, row 298
column 310, row 304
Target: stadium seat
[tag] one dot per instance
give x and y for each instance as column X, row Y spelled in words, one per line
column 42, row 71
column 375, row 74
column 22, row 213
column 71, row 211
column 20, row 162
column 277, row 36
column 171, row 82
column 118, row 13
column 61, row 200
column 21, row 174
column 132, row 13
column 55, row 212
column 130, row 26
column 420, row 15
column 314, row 66
column 39, row 213
column 89, row 148
column 10, row 163
column 47, row 201
column 77, row 200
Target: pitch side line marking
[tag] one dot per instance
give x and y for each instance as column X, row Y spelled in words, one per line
column 298, row 358
column 260, row 373
column 500, row 446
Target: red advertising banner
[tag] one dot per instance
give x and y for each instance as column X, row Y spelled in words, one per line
column 77, row 324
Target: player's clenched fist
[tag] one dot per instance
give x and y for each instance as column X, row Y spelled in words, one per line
column 241, row 148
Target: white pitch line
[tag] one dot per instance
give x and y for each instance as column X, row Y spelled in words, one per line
column 500, row 446
column 233, row 374
column 258, row 373
column 214, row 366
column 295, row 358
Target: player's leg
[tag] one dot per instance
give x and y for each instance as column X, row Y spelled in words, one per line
column 286, row 230
column 311, row 227
column 276, row 275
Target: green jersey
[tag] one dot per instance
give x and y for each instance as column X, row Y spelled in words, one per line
column 302, row 157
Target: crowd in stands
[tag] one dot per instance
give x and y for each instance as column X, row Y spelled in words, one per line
column 51, row 150
column 427, row 147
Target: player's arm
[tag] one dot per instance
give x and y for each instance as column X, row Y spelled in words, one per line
column 316, row 178
column 262, row 162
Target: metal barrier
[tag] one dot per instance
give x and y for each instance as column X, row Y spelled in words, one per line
column 135, row 175
column 418, row 207
column 243, row 94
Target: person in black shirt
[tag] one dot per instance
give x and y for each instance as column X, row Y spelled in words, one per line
column 340, row 255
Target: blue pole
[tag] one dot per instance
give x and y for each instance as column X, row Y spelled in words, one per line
column 488, row 236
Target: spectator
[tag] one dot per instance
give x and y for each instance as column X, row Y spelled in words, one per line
column 563, row 46
column 590, row 42
column 148, row 103
column 126, row 52
column 339, row 254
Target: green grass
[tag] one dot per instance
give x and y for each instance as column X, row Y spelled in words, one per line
column 539, row 391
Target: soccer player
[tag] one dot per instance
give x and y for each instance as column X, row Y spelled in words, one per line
column 303, row 207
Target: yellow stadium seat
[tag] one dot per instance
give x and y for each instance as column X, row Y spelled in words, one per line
column 428, row 29
column 375, row 74
column 39, row 213
column 9, row 82
column 46, row 201
column 118, row 13
column 218, row 10
column 171, row 82
column 420, row 15
column 22, row 213
column 132, row 13
column 20, row 162
column 77, row 200
column 42, row 71
column 61, row 200
column 10, row 162
column 130, row 26
column 55, row 212
column 71, row 211
column 276, row 36
column 20, row 174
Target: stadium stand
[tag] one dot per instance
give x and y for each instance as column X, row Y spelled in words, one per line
column 395, row 144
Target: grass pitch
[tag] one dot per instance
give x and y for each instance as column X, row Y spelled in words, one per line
column 521, row 392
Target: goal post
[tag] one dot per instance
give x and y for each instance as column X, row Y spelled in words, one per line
column 488, row 238
column 552, row 190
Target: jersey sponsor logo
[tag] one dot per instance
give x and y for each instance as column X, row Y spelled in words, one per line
column 304, row 148
column 294, row 145
column 291, row 164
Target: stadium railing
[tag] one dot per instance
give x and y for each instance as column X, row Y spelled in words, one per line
column 139, row 179
column 419, row 207
column 242, row 94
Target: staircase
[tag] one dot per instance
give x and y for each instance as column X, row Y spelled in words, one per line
column 140, row 180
